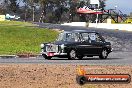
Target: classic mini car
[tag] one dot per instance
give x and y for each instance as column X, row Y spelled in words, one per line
column 76, row 44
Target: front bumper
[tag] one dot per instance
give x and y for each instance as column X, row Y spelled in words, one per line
column 53, row 54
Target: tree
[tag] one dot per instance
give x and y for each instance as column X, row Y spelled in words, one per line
column 31, row 4
column 13, row 5
column 10, row 5
column 58, row 8
column 73, row 7
column 43, row 5
column 2, row 7
column 61, row 9
column 130, row 14
column 102, row 4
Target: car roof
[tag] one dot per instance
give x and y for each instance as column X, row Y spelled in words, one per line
column 80, row 31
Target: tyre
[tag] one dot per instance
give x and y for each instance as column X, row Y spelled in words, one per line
column 46, row 57
column 80, row 57
column 81, row 80
column 73, row 55
column 104, row 54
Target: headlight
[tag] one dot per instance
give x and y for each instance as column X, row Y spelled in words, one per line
column 62, row 46
column 42, row 45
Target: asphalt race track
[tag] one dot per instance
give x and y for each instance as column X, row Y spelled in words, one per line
column 115, row 58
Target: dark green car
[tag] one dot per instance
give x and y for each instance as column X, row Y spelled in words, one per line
column 77, row 44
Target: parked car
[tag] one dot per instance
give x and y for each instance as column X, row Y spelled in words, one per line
column 76, row 44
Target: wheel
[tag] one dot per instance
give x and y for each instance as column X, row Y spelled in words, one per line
column 80, row 57
column 73, row 55
column 104, row 54
column 46, row 57
column 81, row 80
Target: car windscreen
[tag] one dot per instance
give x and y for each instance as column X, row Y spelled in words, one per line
column 61, row 37
column 71, row 37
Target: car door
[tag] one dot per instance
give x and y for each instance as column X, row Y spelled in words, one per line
column 84, row 46
column 96, row 44
column 76, row 43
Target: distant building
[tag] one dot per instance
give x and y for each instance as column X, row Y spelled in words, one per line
column 2, row 17
column 129, row 20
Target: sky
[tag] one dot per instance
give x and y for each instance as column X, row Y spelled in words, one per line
column 124, row 5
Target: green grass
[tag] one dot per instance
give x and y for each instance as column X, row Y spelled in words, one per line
column 18, row 37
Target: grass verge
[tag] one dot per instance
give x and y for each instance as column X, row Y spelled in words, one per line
column 20, row 37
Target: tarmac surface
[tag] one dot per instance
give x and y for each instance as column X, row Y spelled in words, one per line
column 115, row 58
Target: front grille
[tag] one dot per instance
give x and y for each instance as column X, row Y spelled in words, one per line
column 51, row 48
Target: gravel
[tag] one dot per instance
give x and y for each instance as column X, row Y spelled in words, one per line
column 55, row 76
